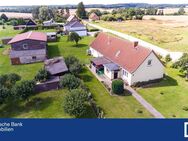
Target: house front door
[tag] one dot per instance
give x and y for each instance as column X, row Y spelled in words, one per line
column 115, row 75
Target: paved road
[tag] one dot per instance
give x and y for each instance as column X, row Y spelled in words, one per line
column 144, row 103
column 174, row 55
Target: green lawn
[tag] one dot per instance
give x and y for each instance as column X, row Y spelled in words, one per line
column 169, row 96
column 51, row 105
column 8, row 31
column 162, row 33
column 113, row 106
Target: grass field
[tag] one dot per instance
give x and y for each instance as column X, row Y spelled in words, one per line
column 167, row 34
column 169, row 96
column 50, row 105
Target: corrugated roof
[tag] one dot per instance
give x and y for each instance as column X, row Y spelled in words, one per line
column 121, row 52
column 100, row 61
column 112, row 66
column 29, row 35
column 56, row 65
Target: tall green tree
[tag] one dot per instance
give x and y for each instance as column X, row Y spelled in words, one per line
column 76, row 103
column 45, row 13
column 181, row 11
column 4, row 17
column 35, row 12
column 74, row 37
column 24, row 90
column 81, row 12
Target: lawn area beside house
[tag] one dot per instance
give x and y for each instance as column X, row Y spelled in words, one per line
column 50, row 105
column 43, row 105
column 113, row 106
column 170, row 35
column 169, row 96
column 8, row 31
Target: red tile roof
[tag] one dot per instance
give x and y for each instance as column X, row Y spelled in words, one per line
column 29, row 35
column 121, row 52
column 94, row 16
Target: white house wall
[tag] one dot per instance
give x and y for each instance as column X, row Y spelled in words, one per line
column 126, row 78
column 109, row 74
column 146, row 73
column 95, row 53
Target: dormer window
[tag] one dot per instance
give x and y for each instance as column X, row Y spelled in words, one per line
column 25, row 46
column 117, row 53
column 149, row 62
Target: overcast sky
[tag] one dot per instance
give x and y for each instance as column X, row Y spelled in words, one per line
column 61, row 2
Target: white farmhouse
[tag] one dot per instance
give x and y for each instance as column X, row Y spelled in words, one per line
column 118, row 58
column 74, row 25
column 49, row 23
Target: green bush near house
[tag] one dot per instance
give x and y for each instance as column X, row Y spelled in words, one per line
column 70, row 81
column 117, row 86
column 168, row 58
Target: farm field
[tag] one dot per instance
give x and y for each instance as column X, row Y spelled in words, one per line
column 167, row 34
column 50, row 105
column 169, row 96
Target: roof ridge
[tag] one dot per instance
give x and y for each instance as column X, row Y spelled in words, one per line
column 29, row 35
column 124, row 40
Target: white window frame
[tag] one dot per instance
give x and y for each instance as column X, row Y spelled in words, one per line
column 125, row 73
column 25, row 46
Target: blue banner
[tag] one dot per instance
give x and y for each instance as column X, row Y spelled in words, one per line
column 93, row 129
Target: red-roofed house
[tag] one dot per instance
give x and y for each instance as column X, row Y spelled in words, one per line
column 28, row 47
column 129, row 61
column 94, row 17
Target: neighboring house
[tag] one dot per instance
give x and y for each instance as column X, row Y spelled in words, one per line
column 76, row 26
column 72, row 18
column 49, row 23
column 29, row 23
column 56, row 66
column 28, row 47
column 94, row 17
column 127, row 60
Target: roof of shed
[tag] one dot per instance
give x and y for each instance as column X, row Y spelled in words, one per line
column 100, row 61
column 112, row 66
column 29, row 35
column 55, row 65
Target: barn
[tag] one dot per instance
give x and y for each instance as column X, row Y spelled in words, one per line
column 28, row 47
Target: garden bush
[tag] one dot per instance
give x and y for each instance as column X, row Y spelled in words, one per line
column 168, row 58
column 117, row 86
column 76, row 103
column 70, row 81
column 42, row 75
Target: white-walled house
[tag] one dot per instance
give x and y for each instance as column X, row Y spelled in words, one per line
column 49, row 23
column 128, row 60
column 74, row 25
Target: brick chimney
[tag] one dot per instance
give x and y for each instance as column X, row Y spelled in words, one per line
column 135, row 44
